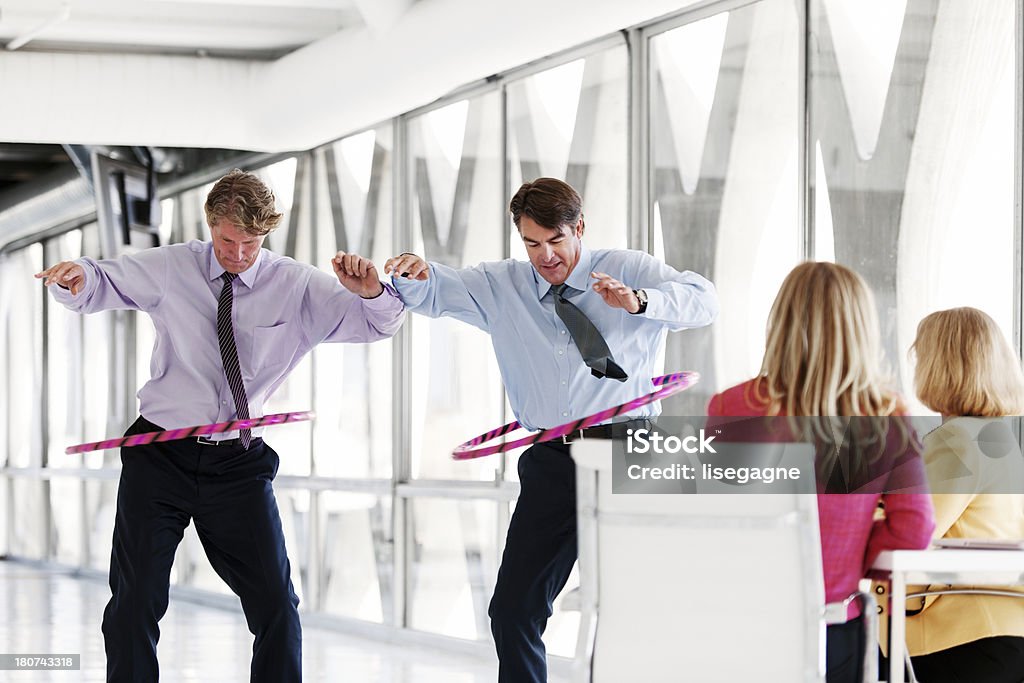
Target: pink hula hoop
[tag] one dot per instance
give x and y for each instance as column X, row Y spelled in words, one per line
column 186, row 432
column 668, row 385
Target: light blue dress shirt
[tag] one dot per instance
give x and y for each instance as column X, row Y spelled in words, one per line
column 544, row 374
column 281, row 310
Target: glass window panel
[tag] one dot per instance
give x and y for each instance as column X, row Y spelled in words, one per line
column 21, row 313
column 724, row 148
column 457, row 201
column 570, row 122
column 293, row 442
column 97, row 409
column 356, row 573
column 282, row 179
column 7, row 518
column 914, row 177
column 100, row 511
column 65, row 364
column 30, row 507
column 352, row 382
column 564, row 625
column 64, row 410
column 454, row 564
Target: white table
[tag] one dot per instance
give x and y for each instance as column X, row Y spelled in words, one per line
column 944, row 566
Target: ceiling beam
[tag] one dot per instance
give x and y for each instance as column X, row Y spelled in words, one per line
column 335, row 86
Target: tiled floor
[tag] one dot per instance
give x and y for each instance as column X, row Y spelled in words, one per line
column 53, row 612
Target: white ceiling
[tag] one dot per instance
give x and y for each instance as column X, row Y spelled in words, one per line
column 269, row 75
column 251, row 28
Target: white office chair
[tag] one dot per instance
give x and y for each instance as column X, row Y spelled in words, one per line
column 703, row 588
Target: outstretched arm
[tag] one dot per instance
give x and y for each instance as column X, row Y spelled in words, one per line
column 437, row 290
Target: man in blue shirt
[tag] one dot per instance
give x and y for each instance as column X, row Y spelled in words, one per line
column 574, row 331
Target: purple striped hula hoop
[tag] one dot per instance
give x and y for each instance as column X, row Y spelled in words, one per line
column 186, row 432
column 668, row 385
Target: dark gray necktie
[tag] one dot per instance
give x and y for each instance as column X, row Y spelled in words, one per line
column 588, row 340
column 229, row 353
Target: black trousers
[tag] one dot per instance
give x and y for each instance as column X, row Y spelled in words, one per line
column 844, row 652
column 227, row 492
column 540, row 550
column 997, row 659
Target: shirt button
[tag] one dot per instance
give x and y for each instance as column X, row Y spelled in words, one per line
column 563, row 331
column 223, row 403
column 563, row 382
column 565, row 414
column 559, row 352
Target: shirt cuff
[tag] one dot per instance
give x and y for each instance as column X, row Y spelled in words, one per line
column 385, row 300
column 655, row 303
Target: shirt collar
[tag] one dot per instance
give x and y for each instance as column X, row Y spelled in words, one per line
column 578, row 279
column 248, row 277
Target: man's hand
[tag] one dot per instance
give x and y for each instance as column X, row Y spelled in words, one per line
column 409, row 266
column 357, row 274
column 66, row 274
column 614, row 293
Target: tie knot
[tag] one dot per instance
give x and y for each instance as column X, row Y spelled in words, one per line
column 559, row 290
column 228, row 277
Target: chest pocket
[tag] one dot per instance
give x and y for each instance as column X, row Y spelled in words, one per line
column 272, row 346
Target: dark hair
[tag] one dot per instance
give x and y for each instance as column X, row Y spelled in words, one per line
column 244, row 200
column 548, row 202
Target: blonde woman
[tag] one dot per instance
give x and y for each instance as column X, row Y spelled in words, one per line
column 823, row 360
column 967, row 372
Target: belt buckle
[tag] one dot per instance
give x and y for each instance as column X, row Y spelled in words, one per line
column 207, row 442
column 567, row 438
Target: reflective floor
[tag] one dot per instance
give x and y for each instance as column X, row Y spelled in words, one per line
column 54, row 612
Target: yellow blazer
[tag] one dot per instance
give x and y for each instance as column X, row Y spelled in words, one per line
column 967, row 508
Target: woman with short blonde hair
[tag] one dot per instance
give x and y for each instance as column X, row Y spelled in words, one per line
column 967, row 372
column 965, row 366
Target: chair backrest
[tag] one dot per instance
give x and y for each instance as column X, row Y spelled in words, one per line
column 697, row 587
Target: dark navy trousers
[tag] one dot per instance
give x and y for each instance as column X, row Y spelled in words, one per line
column 540, row 551
column 227, row 492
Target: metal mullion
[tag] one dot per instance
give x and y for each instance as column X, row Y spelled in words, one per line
column 805, row 141
column 401, row 460
column 1018, row 189
column 503, row 515
column 639, row 139
column 49, row 537
column 314, row 551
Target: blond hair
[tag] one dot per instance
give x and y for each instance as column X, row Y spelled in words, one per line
column 965, row 366
column 245, row 201
column 824, row 354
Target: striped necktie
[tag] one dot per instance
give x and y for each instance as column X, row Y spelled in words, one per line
column 589, row 341
column 229, row 353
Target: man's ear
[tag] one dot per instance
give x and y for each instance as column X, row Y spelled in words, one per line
column 580, row 226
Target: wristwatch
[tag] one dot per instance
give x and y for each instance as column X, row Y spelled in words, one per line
column 641, row 296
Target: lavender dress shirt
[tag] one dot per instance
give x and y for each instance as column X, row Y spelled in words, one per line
column 282, row 309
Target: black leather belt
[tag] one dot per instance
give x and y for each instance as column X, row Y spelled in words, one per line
column 203, row 441
column 613, row 430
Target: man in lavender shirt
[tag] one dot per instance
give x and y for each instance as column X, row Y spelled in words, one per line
column 232, row 320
